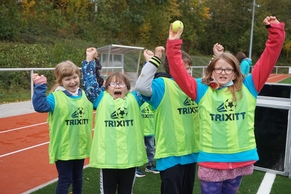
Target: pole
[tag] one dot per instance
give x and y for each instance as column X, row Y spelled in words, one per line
column 252, row 29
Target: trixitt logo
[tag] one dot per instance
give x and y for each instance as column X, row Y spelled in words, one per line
column 190, row 107
column 78, row 119
column 228, row 106
column 147, row 113
column 120, row 113
column 119, row 116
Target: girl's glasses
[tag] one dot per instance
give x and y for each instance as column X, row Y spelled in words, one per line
column 220, row 70
column 114, row 84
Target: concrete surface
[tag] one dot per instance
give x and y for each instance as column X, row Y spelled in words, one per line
column 15, row 108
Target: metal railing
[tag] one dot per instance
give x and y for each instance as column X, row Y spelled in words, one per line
column 32, row 70
column 195, row 69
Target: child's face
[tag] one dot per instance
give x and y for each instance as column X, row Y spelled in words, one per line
column 71, row 83
column 117, row 89
column 187, row 67
column 223, row 72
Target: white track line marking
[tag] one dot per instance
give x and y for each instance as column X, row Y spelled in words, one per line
column 21, row 150
column 266, row 184
column 9, row 130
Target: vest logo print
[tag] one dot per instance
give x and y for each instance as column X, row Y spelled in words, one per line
column 190, row 107
column 118, row 118
column 77, row 118
column 147, row 113
column 228, row 106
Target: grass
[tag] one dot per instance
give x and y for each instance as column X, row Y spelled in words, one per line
column 286, row 81
column 151, row 184
column 14, row 95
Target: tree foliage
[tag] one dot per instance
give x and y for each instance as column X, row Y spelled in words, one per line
column 144, row 23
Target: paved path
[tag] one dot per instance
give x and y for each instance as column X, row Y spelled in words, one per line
column 16, row 108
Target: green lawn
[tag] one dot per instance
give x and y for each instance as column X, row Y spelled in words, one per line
column 151, row 184
column 286, row 81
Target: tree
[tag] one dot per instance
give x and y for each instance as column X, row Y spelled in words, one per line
column 227, row 24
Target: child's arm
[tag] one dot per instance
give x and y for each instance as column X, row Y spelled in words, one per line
column 177, row 69
column 218, row 49
column 144, row 81
column 89, row 80
column 268, row 59
column 39, row 99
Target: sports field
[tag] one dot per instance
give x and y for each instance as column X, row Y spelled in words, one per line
column 25, row 169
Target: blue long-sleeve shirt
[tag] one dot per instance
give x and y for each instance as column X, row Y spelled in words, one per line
column 43, row 103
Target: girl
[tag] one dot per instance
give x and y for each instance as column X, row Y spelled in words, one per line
column 226, row 103
column 70, row 124
column 245, row 63
column 176, row 124
column 118, row 144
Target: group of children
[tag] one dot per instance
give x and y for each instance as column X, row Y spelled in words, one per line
column 209, row 120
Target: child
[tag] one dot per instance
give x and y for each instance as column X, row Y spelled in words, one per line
column 149, row 139
column 70, row 124
column 176, row 125
column 118, row 145
column 227, row 103
column 245, row 63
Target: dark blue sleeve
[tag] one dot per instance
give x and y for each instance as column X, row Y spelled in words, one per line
column 39, row 100
column 89, row 81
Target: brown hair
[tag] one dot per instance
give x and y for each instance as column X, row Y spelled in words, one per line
column 232, row 60
column 119, row 77
column 240, row 56
column 64, row 69
column 185, row 57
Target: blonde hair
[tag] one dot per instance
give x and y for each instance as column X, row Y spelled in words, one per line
column 119, row 77
column 233, row 61
column 64, row 69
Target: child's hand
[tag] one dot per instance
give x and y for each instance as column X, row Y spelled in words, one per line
column 159, row 51
column 218, row 49
column 91, row 54
column 270, row 19
column 38, row 79
column 148, row 54
column 175, row 35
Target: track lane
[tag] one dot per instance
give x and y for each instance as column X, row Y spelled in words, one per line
column 24, row 161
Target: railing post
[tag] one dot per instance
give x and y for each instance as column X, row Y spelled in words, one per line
column 31, row 87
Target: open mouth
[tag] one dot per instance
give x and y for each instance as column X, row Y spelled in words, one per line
column 117, row 94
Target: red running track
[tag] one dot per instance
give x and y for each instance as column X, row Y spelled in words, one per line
column 274, row 78
column 24, row 162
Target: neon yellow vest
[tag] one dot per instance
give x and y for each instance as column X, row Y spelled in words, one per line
column 227, row 127
column 147, row 116
column 118, row 140
column 70, row 127
column 177, row 123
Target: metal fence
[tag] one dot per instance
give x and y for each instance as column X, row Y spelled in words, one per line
column 197, row 71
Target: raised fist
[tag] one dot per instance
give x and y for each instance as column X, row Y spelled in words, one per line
column 39, row 79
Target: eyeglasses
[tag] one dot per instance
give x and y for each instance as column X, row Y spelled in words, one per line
column 220, row 70
column 114, row 84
